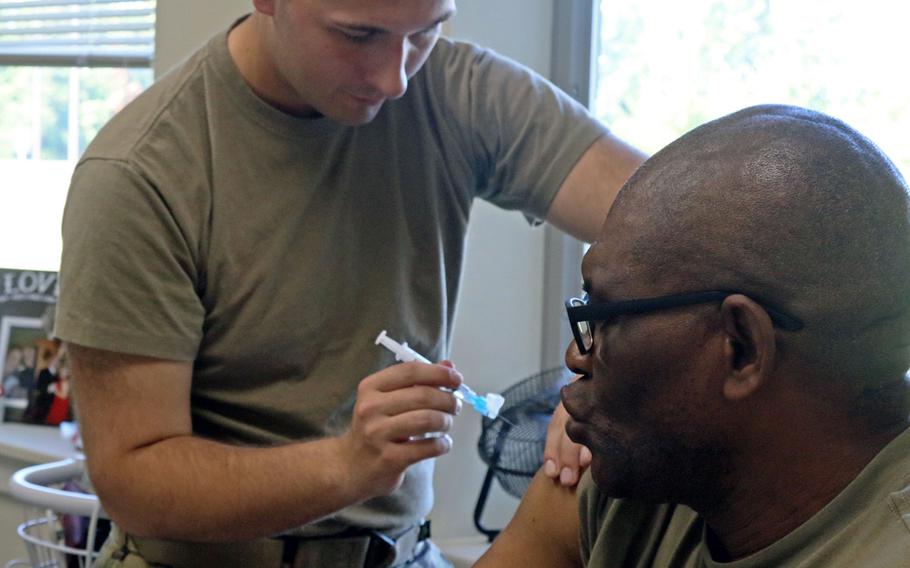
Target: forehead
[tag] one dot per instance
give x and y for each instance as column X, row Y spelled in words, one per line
column 604, row 271
column 610, row 268
column 393, row 15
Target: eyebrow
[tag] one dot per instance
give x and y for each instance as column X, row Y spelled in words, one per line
column 373, row 29
column 602, row 294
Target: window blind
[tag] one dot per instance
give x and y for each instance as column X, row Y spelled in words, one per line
column 77, row 33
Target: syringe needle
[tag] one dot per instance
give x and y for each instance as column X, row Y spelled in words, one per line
column 506, row 420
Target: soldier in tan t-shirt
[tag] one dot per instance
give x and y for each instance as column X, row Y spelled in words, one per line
column 743, row 349
column 235, row 239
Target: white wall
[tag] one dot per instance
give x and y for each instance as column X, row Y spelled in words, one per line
column 498, row 325
column 181, row 26
column 497, row 329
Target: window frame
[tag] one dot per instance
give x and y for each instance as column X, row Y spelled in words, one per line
column 571, row 69
column 72, row 24
column 77, row 33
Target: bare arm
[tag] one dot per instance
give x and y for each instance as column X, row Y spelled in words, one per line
column 156, row 479
column 582, row 203
column 543, row 532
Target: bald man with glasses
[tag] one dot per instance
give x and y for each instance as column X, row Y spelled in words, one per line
column 742, row 352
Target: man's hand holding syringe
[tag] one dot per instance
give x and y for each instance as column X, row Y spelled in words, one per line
column 488, row 405
column 402, row 416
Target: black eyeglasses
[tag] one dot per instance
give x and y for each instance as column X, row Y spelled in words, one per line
column 582, row 314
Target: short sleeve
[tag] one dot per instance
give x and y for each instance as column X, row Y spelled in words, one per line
column 525, row 135
column 128, row 278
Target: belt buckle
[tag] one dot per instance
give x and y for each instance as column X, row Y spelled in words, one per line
column 381, row 551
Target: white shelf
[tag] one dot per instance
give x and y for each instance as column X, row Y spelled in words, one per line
column 32, row 443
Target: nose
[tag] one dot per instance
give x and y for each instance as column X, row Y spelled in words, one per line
column 391, row 78
column 576, row 362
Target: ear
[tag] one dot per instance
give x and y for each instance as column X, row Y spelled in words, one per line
column 750, row 347
column 266, row 7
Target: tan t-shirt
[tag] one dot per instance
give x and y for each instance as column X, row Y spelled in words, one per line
column 866, row 526
column 204, row 225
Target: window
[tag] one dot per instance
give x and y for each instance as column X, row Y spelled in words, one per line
column 662, row 68
column 653, row 69
column 65, row 68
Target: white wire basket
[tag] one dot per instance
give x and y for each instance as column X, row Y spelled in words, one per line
column 51, row 513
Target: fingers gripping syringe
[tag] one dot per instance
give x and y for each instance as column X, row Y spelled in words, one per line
column 488, row 405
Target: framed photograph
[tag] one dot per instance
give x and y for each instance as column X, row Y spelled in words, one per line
column 27, row 302
column 19, row 351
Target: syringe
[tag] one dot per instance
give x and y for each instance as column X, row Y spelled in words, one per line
column 488, row 405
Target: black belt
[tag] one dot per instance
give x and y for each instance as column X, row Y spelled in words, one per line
column 352, row 548
column 382, row 549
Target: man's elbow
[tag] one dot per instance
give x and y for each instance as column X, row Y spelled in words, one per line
column 126, row 498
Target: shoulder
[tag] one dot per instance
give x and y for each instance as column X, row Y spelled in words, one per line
column 449, row 50
column 624, row 532
column 878, row 501
column 462, row 60
column 174, row 103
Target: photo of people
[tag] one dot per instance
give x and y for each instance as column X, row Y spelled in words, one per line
column 34, row 386
column 18, row 343
column 15, row 373
column 49, row 402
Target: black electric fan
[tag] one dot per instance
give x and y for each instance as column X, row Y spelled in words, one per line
column 512, row 444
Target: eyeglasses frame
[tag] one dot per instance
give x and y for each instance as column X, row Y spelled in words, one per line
column 602, row 311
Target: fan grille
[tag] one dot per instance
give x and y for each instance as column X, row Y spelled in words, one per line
column 514, row 452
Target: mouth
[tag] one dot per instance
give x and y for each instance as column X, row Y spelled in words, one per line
column 575, row 427
column 368, row 101
column 567, row 403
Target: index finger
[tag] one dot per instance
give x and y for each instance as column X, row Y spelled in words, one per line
column 405, row 375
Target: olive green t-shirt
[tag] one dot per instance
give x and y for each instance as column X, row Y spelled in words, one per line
column 204, row 225
column 866, row 526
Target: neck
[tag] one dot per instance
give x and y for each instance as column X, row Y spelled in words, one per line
column 246, row 44
column 788, row 483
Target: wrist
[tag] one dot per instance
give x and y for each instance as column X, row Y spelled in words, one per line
column 345, row 464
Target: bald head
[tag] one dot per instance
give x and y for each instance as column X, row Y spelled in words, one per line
column 795, row 208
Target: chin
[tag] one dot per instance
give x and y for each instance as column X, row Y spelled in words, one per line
column 353, row 120
column 357, row 116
